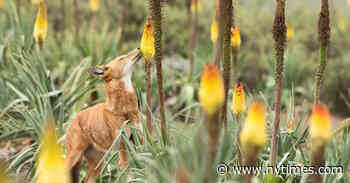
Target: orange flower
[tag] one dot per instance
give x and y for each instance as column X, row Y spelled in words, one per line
column 94, row 5
column 235, row 38
column 214, row 31
column 40, row 27
column 320, row 125
column 0, row 3
column 211, row 91
column 147, row 42
column 238, row 104
column 253, row 133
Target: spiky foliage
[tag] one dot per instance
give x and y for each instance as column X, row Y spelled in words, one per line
column 279, row 35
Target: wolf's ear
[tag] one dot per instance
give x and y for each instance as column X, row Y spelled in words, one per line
column 97, row 71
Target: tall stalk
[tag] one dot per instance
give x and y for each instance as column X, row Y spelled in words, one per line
column 279, row 35
column 148, row 97
column 193, row 37
column 63, row 15
column 77, row 19
column 226, row 19
column 323, row 36
column 156, row 14
column 218, row 43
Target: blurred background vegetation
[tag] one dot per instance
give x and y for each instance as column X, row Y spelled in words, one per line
column 36, row 84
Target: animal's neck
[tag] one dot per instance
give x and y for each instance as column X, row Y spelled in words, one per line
column 118, row 93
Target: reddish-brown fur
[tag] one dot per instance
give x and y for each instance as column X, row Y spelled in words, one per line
column 94, row 129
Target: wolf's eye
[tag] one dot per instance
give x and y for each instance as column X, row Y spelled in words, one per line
column 105, row 68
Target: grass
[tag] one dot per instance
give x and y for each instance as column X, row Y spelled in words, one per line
column 36, row 85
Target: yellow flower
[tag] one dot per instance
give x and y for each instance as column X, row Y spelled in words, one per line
column 0, row 3
column 195, row 4
column 211, row 91
column 320, row 125
column 94, row 5
column 238, row 104
column 235, row 38
column 290, row 32
column 147, row 42
column 51, row 167
column 36, row 1
column 342, row 24
column 253, row 134
column 3, row 175
column 214, row 31
column 349, row 2
column 40, row 27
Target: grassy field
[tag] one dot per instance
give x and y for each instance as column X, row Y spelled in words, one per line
column 52, row 82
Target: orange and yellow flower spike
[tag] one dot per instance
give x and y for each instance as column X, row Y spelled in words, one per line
column 40, row 27
column 235, row 38
column 214, row 31
column 211, row 91
column 1, row 3
column 238, row 104
column 320, row 125
column 51, row 166
column 349, row 2
column 94, row 5
column 253, row 134
column 290, row 32
column 195, row 5
column 147, row 42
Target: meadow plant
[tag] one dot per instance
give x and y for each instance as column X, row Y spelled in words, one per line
column 320, row 133
column 51, row 166
column 211, row 95
column 238, row 107
column 323, row 36
column 235, row 44
column 226, row 18
column 253, row 135
column 279, row 35
column 156, row 15
column 40, row 27
column 147, row 50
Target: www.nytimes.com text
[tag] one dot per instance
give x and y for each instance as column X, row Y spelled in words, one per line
column 223, row 169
